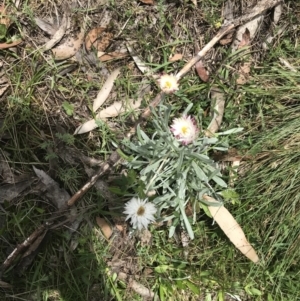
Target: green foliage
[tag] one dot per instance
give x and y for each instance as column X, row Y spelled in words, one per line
column 68, row 107
column 178, row 173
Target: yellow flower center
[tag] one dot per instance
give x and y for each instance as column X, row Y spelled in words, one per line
column 141, row 211
column 184, row 130
column 168, row 85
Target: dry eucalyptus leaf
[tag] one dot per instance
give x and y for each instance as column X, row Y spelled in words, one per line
column 176, row 57
column 243, row 73
column 6, row 174
column 105, row 57
column 92, row 37
column 104, row 92
column 98, row 38
column 194, row 2
column 9, row 192
column 245, row 39
column 9, row 45
column 232, row 229
column 201, row 71
column 69, row 47
column 117, row 108
column 58, row 196
column 287, row 64
column 113, row 110
column 104, row 226
column 140, row 64
column 149, row 2
column 4, row 19
column 141, row 289
column 217, row 109
column 58, row 34
column 252, row 27
column 277, row 13
column 5, row 285
column 47, row 27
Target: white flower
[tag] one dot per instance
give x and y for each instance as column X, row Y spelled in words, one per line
column 185, row 129
column 140, row 212
column 168, row 83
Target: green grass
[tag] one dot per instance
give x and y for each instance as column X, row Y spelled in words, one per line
column 40, row 102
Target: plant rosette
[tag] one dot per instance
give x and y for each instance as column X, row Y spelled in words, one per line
column 175, row 163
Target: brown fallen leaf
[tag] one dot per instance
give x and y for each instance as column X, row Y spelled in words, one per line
column 4, row 19
column 201, row 71
column 231, row 228
column 104, row 226
column 105, row 57
column 9, row 45
column 242, row 33
column 98, row 38
column 92, row 37
column 149, row 2
column 176, row 57
column 227, row 39
column 245, row 39
column 69, row 47
column 243, row 73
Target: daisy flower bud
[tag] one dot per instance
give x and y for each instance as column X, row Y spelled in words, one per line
column 140, row 212
column 185, row 129
column 168, row 83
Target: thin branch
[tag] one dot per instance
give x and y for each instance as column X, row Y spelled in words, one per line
column 21, row 248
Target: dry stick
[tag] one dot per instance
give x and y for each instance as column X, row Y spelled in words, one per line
column 21, row 248
column 115, row 157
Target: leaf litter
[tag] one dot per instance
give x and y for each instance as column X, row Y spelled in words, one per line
column 64, row 56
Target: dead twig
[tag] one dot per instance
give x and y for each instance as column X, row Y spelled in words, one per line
column 21, row 248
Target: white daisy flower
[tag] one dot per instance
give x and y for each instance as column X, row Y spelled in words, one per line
column 168, row 83
column 185, row 129
column 140, row 212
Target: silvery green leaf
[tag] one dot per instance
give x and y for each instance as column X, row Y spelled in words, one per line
column 185, row 220
column 213, row 204
column 205, row 209
column 151, row 167
column 219, row 181
column 195, row 184
column 135, row 163
column 232, row 131
column 188, row 109
column 212, row 140
column 172, row 231
column 145, row 137
column 202, row 192
column 201, row 157
column 215, row 172
column 182, row 185
column 199, row 172
column 179, row 162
